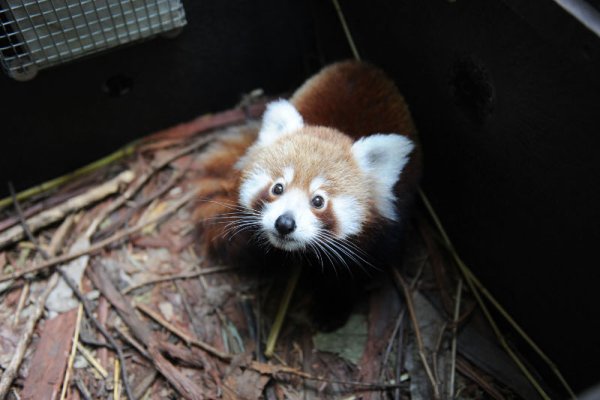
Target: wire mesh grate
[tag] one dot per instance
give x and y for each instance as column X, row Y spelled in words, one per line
column 39, row 34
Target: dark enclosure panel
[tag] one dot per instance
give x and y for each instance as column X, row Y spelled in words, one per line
column 76, row 113
column 506, row 97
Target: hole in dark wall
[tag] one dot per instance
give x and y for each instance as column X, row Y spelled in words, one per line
column 472, row 87
column 118, row 85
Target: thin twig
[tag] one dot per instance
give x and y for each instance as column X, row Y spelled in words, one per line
column 470, row 372
column 454, row 339
column 182, row 335
column 74, row 343
column 92, row 360
column 187, row 275
column 134, row 343
column 340, row 14
column 101, row 244
column 21, row 304
column 399, row 361
column 415, row 323
column 435, row 352
column 85, row 393
column 388, row 349
column 401, row 315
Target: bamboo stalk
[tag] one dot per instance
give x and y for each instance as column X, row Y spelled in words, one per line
column 282, row 311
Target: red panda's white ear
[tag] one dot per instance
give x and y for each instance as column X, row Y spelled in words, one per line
column 382, row 158
column 280, row 118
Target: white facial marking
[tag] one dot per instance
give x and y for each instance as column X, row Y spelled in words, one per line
column 288, row 174
column 252, row 185
column 280, row 118
column 316, row 183
column 349, row 214
column 295, row 202
column 382, row 158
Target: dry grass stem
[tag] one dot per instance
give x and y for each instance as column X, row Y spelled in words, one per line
column 75, row 341
column 417, row 330
column 282, row 310
column 116, row 384
column 21, row 304
column 92, row 360
column 340, row 14
column 454, row 339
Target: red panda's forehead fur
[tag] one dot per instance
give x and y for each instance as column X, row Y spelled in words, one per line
column 313, row 152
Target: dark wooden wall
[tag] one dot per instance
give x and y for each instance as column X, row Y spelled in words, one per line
column 506, row 96
column 67, row 116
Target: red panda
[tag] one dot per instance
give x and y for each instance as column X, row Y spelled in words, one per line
column 327, row 174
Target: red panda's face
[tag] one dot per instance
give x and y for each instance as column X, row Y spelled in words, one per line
column 312, row 188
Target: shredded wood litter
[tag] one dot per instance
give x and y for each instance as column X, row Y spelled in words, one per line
column 187, row 327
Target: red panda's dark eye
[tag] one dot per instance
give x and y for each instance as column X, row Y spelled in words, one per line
column 317, row 202
column 277, row 189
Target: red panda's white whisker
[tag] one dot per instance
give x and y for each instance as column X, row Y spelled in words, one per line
column 346, row 247
column 235, row 228
column 347, row 242
column 319, row 245
column 231, row 218
column 316, row 252
column 231, row 206
column 328, row 245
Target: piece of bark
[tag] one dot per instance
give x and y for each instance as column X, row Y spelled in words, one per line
column 384, row 306
column 59, row 212
column 50, row 359
column 202, row 124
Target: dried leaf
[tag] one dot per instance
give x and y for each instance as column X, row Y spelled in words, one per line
column 246, row 385
column 348, row 341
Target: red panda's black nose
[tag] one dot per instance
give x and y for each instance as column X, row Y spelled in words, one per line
column 285, row 224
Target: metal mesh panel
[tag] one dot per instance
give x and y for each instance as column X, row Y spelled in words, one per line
column 42, row 33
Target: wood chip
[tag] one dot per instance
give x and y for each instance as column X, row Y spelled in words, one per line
column 50, row 358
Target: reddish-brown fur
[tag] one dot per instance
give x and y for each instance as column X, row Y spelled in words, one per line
column 352, row 97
